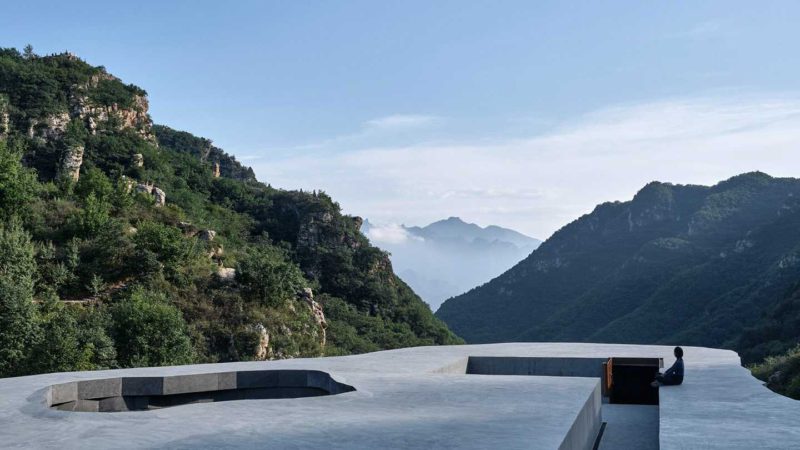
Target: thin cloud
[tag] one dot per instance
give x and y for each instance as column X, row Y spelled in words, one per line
column 542, row 182
column 372, row 130
column 390, row 234
column 402, row 121
column 706, row 29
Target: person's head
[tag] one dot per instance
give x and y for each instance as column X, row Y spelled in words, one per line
column 678, row 352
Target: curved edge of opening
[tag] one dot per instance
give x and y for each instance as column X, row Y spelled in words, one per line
column 147, row 393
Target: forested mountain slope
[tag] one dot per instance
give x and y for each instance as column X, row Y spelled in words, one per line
column 129, row 244
column 695, row 265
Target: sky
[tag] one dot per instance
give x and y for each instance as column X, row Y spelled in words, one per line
column 514, row 113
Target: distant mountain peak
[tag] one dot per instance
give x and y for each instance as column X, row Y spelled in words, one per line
column 449, row 256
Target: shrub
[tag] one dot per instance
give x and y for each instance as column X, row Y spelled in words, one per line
column 148, row 331
column 267, row 276
column 17, row 312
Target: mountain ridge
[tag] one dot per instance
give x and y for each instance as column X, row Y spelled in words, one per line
column 675, row 264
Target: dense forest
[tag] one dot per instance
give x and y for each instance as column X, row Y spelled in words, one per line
column 131, row 244
column 712, row 266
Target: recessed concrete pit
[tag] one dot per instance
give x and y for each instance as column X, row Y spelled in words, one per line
column 624, row 380
column 147, row 393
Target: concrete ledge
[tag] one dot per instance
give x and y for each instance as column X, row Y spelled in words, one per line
column 183, row 384
column 256, row 379
column 582, row 434
column 537, row 366
column 108, row 387
column 142, row 386
column 63, row 393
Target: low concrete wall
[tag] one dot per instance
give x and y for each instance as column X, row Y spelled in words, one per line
column 458, row 366
column 582, row 434
column 539, row 366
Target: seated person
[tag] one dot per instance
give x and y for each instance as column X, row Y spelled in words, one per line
column 674, row 375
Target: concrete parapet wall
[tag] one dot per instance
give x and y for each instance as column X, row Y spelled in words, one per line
column 584, row 430
column 538, row 366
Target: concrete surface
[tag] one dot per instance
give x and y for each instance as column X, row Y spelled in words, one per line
column 416, row 398
column 630, row 427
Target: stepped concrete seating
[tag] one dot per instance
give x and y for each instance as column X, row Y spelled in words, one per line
column 426, row 397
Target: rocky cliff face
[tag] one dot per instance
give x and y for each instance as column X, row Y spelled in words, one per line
column 72, row 102
column 82, row 105
column 95, row 114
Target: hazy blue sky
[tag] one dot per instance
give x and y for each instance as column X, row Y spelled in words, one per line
column 519, row 113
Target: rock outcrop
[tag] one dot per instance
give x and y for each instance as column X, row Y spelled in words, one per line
column 311, row 231
column 134, row 117
column 216, row 170
column 226, row 273
column 5, row 125
column 262, row 351
column 5, row 119
column 53, row 127
column 160, row 196
column 138, row 160
column 217, row 251
column 147, row 188
column 71, row 163
column 128, row 183
column 144, row 188
column 49, row 128
column 307, row 296
column 206, row 235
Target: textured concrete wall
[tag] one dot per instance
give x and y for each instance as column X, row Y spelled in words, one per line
column 459, row 367
column 538, row 366
column 582, row 434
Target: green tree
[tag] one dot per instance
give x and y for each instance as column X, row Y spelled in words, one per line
column 17, row 311
column 18, row 185
column 167, row 242
column 94, row 181
column 94, row 216
column 149, row 331
column 70, row 338
column 121, row 197
column 96, row 285
column 56, row 347
column 72, row 254
column 94, row 322
column 267, row 276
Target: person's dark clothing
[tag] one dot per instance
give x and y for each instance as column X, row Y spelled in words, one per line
column 673, row 376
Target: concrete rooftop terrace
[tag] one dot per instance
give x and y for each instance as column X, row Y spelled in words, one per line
column 412, row 398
